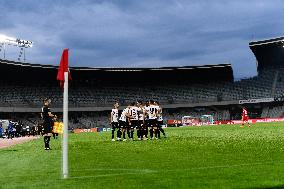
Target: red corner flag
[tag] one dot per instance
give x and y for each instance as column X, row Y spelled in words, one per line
column 63, row 67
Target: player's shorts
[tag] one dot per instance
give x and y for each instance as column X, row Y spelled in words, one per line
column 140, row 123
column 159, row 123
column 146, row 123
column 48, row 126
column 114, row 125
column 127, row 125
column 122, row 124
column 245, row 118
column 134, row 124
column 152, row 123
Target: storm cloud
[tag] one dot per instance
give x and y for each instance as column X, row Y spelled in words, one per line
column 135, row 33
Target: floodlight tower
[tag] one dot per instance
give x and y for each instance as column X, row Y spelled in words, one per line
column 22, row 44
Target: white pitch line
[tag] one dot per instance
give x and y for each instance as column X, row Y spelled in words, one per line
column 144, row 171
column 136, row 171
column 225, row 166
column 111, row 169
column 97, row 176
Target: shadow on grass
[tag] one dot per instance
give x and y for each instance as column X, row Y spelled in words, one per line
column 270, row 187
column 8, row 150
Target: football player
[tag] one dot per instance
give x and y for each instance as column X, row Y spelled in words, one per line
column 160, row 121
column 47, row 117
column 114, row 122
column 245, row 118
column 146, row 121
column 152, row 111
column 123, row 121
column 134, row 113
column 141, row 121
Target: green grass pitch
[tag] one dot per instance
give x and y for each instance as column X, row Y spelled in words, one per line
column 224, row 156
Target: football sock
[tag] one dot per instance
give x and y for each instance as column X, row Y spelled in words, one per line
column 118, row 133
column 158, row 133
column 141, row 132
column 45, row 139
column 138, row 133
column 146, row 132
column 151, row 133
column 123, row 135
column 48, row 140
column 131, row 134
column 112, row 133
column 162, row 130
column 128, row 133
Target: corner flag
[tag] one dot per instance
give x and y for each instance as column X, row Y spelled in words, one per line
column 64, row 76
column 63, row 67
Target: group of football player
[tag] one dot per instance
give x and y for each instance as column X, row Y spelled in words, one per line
column 145, row 118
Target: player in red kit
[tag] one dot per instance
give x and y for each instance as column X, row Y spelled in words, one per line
column 245, row 117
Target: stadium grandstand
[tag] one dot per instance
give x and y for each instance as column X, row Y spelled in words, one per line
column 189, row 90
column 99, row 87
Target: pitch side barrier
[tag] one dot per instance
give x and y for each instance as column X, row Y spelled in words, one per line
column 262, row 120
column 91, row 130
column 177, row 123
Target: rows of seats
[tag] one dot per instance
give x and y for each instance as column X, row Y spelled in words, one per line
column 223, row 114
column 275, row 112
column 279, row 89
column 32, row 95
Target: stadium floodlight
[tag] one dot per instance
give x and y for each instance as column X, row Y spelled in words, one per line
column 23, row 44
column 6, row 39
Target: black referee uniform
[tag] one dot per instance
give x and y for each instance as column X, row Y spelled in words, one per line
column 47, row 124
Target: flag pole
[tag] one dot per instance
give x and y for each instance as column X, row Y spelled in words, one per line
column 65, row 130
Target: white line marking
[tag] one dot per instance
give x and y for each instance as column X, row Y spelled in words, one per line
column 108, row 169
column 144, row 171
column 225, row 166
column 133, row 172
column 97, row 176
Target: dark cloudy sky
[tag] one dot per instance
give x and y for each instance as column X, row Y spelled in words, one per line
column 143, row 33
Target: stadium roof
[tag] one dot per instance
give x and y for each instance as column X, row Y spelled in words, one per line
column 22, row 64
column 268, row 53
column 218, row 72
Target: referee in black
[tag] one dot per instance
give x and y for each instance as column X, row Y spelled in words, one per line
column 47, row 117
